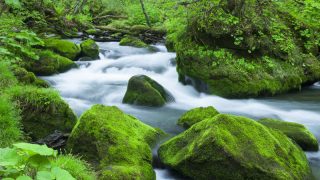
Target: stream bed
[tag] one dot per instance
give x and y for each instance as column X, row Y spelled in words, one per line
column 104, row 81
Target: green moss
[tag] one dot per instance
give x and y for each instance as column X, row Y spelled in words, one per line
column 117, row 143
column 9, row 123
column 234, row 147
column 7, row 78
column 42, row 111
column 78, row 168
column 28, row 78
column 297, row 132
column 90, row 49
column 64, row 48
column 133, row 41
column 238, row 51
column 50, row 63
column 144, row 91
column 196, row 115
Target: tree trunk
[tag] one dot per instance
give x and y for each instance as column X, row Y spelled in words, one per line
column 145, row 13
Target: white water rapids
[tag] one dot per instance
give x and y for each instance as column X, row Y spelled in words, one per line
column 105, row 81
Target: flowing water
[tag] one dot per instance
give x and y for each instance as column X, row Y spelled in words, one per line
column 105, row 81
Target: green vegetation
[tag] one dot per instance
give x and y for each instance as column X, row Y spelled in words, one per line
column 42, row 110
column 243, row 48
column 247, row 149
column 297, row 132
column 239, row 51
column 144, row 91
column 9, row 123
column 30, row 161
column 196, row 115
column 117, row 143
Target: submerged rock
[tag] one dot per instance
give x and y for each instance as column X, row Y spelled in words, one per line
column 234, row 147
column 133, row 41
column 297, row 132
column 64, row 48
column 50, row 63
column 89, row 48
column 43, row 111
column 117, row 143
column 144, row 91
column 196, row 115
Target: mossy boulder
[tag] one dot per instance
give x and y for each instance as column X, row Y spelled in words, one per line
column 28, row 78
column 50, row 63
column 196, row 115
column 42, row 111
column 144, row 91
column 239, row 51
column 297, row 132
column 133, row 41
column 64, row 48
column 117, row 143
column 233, row 147
column 89, row 48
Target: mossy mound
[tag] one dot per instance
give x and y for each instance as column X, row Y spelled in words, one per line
column 28, row 78
column 196, row 115
column 89, row 48
column 234, row 147
column 144, row 91
column 78, row 168
column 297, row 132
column 42, row 111
column 237, row 50
column 64, row 48
column 50, row 63
column 117, row 143
column 133, row 41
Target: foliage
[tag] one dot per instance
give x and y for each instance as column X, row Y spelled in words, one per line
column 31, row 161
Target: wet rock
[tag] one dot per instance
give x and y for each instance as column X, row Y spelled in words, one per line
column 144, row 91
column 89, row 48
column 117, row 143
column 234, row 147
column 56, row 140
column 297, row 132
column 196, row 115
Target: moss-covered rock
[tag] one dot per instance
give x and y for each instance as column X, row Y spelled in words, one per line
column 144, row 91
column 133, row 41
column 42, row 110
column 196, row 115
column 50, row 63
column 239, row 51
column 64, row 48
column 89, row 48
column 233, row 147
column 28, row 78
column 297, row 132
column 117, row 143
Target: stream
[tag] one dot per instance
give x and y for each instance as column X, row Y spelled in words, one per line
column 104, row 81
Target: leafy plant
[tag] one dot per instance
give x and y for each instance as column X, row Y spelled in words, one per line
column 27, row 161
